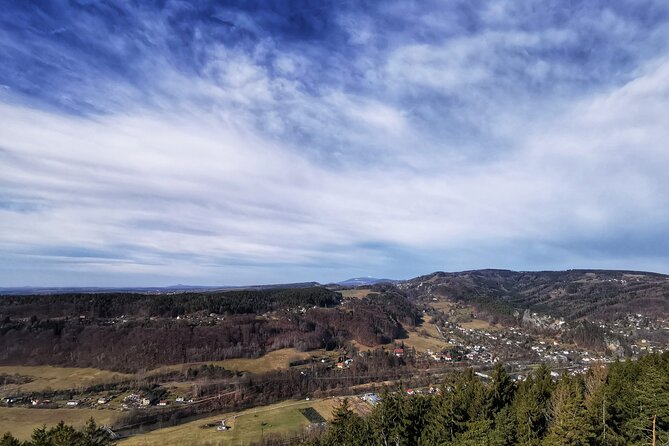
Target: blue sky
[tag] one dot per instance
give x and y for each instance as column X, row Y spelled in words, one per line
column 154, row 143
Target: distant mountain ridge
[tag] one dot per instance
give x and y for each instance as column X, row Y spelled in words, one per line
column 361, row 281
column 28, row 290
column 570, row 294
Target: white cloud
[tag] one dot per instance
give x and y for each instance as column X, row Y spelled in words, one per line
column 165, row 187
column 255, row 166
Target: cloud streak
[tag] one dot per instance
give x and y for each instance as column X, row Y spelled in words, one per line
column 145, row 145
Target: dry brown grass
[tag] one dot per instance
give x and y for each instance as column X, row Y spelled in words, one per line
column 275, row 360
column 280, row 418
column 358, row 294
column 422, row 342
column 56, row 378
column 479, row 324
column 442, row 305
column 21, row 421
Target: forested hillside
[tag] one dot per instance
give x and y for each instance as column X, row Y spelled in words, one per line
column 131, row 332
column 572, row 294
column 613, row 405
column 107, row 305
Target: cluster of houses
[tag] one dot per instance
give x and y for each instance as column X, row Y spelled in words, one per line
column 139, row 401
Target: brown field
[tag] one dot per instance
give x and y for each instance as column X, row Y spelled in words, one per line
column 249, row 425
column 364, row 348
column 479, row 324
column 358, row 294
column 430, row 327
column 442, row 305
column 425, row 337
column 56, row 378
column 21, row 421
column 275, row 360
column 422, row 343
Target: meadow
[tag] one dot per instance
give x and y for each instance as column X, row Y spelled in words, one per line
column 21, row 421
column 246, row 426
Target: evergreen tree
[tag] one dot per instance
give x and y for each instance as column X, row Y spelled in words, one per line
column 476, row 433
column 531, row 407
column 500, row 391
column 598, row 407
column 504, row 432
column 569, row 426
column 418, row 407
column 652, row 400
column 469, row 396
column 63, row 435
column 9, row 440
column 389, row 421
column 440, row 423
column 347, row 428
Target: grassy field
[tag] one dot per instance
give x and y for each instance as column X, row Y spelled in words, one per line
column 479, row 324
column 429, row 327
column 358, row 294
column 249, row 425
column 278, row 359
column 21, row 421
column 425, row 337
column 56, row 378
column 442, row 305
column 275, row 360
column 422, row 342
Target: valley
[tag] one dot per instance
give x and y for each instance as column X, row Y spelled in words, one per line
column 158, row 366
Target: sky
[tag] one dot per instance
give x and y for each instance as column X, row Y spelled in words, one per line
column 150, row 143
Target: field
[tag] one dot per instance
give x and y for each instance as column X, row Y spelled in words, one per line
column 248, row 425
column 358, row 294
column 275, row 360
column 442, row 305
column 21, row 421
column 422, row 342
column 479, row 324
column 425, row 337
column 278, row 359
column 56, row 378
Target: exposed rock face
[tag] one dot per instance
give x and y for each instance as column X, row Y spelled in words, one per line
column 541, row 321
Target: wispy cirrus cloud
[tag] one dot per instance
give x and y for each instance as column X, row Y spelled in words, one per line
column 223, row 144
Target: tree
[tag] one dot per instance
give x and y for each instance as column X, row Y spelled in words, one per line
column 500, row 391
column 652, row 401
column 504, row 432
column 390, row 420
column 476, row 433
column 440, row 423
column 530, row 406
column 569, row 426
column 9, row 440
column 95, row 435
column 347, row 428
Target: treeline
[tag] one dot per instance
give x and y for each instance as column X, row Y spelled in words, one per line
column 138, row 344
column 614, row 405
column 64, row 435
column 109, row 305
